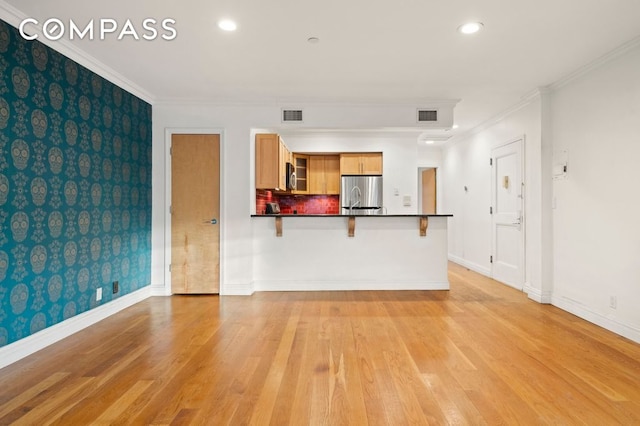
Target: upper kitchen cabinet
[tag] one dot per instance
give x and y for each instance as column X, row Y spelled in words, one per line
column 324, row 174
column 272, row 157
column 301, row 167
column 361, row 163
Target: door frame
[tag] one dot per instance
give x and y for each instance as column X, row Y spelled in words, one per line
column 168, row 133
column 523, row 220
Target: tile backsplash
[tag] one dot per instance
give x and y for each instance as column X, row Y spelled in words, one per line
column 298, row 204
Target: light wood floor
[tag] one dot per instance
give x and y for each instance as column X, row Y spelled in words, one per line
column 481, row 353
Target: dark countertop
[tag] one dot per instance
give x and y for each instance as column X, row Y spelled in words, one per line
column 351, row 215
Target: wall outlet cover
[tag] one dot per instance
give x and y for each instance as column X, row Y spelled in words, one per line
column 98, row 294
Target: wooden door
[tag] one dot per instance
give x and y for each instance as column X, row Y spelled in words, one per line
column 429, row 191
column 195, row 211
column 507, row 219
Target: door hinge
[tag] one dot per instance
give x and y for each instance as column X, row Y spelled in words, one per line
column 490, row 259
column 491, row 161
column 169, row 267
column 171, row 209
column 170, row 150
column 491, row 210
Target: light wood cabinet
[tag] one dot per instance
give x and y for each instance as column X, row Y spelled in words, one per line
column 272, row 156
column 324, row 174
column 301, row 164
column 361, row 163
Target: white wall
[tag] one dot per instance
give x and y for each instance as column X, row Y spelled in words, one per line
column 582, row 232
column 596, row 222
column 238, row 196
column 465, row 163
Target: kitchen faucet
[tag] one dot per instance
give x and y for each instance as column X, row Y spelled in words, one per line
column 353, row 204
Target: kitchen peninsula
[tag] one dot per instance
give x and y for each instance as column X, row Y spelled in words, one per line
column 321, row 223
column 315, row 252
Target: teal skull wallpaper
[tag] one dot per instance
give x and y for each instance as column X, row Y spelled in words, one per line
column 75, row 188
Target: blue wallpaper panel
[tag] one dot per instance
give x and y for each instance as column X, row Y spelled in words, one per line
column 75, row 188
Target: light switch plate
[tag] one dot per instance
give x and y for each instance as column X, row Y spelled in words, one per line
column 406, row 200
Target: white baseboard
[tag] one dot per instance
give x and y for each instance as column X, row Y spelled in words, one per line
column 236, row 289
column 610, row 324
column 159, row 290
column 537, row 295
column 24, row 347
column 347, row 285
column 470, row 265
column 225, row 290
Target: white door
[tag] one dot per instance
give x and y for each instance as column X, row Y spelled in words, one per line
column 507, row 219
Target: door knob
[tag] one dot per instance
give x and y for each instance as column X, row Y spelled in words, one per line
column 213, row 221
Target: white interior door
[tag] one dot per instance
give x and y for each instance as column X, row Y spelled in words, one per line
column 508, row 219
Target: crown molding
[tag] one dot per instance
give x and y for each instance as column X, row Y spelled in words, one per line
column 524, row 101
column 302, row 102
column 602, row 60
column 14, row 17
column 538, row 92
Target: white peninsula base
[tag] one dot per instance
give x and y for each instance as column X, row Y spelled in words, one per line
column 316, row 253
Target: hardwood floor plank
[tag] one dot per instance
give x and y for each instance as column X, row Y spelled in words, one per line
column 123, row 403
column 38, row 410
column 30, row 393
column 481, row 353
column 264, row 407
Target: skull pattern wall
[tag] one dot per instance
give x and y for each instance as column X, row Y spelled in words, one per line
column 21, row 82
column 38, row 191
column 74, row 185
column 4, row 264
column 19, row 226
column 4, row 189
column 55, row 160
column 5, row 112
column 20, row 153
column 39, row 123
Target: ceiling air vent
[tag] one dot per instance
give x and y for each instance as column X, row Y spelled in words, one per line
column 427, row 115
column 292, row 116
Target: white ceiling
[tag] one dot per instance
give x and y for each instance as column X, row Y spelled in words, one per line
column 370, row 51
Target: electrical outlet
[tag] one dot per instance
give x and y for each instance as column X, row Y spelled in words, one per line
column 613, row 302
column 116, row 287
column 98, row 294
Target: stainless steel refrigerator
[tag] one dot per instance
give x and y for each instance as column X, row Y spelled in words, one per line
column 361, row 195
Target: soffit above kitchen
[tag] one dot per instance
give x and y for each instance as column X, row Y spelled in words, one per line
column 365, row 52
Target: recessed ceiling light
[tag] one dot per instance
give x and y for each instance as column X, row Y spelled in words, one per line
column 227, row 25
column 470, row 27
column 313, row 40
column 455, row 126
column 429, row 142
